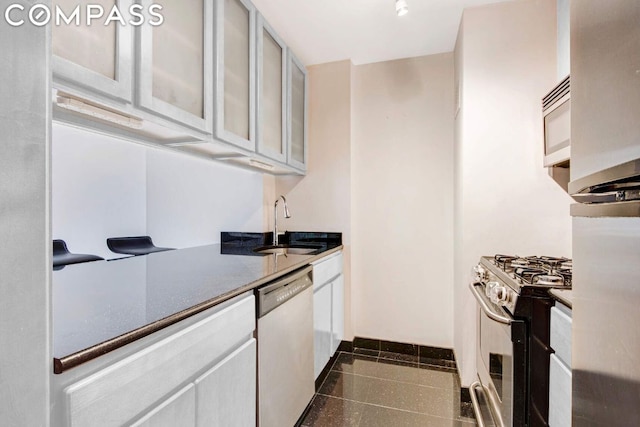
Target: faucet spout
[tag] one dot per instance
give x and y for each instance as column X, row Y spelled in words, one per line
column 275, row 218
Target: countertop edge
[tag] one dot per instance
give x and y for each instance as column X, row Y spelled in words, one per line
column 65, row 363
column 563, row 296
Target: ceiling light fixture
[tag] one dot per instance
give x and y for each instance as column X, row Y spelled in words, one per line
column 401, row 7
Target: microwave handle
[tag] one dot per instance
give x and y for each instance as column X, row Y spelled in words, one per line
column 500, row 318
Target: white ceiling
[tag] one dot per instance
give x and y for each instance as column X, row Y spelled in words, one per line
column 365, row 31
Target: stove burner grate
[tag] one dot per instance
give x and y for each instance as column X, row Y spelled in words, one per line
column 536, row 270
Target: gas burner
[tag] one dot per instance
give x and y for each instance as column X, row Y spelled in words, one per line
column 506, row 262
column 538, row 277
column 520, row 262
column 565, row 273
column 552, row 262
column 548, row 280
column 503, row 261
column 567, row 265
column 536, row 271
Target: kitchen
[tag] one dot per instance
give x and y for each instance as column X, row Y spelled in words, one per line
column 491, row 192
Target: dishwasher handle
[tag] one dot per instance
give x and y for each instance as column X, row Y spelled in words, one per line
column 276, row 293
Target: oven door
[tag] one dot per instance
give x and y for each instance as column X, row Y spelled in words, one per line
column 500, row 362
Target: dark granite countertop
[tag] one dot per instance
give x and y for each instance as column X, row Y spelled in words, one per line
column 103, row 305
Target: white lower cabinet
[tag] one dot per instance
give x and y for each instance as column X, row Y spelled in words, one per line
column 328, row 309
column 202, row 374
column 179, row 409
column 226, row 393
column 337, row 313
column 559, row 393
column 321, row 328
column 560, row 367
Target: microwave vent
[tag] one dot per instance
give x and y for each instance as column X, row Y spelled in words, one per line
column 556, row 93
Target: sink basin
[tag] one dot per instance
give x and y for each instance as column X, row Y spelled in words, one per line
column 284, row 250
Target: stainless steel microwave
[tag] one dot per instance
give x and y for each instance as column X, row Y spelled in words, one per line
column 556, row 113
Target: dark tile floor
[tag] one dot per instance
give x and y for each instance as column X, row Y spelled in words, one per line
column 369, row 388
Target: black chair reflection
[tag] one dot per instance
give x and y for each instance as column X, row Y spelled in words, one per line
column 62, row 256
column 135, row 245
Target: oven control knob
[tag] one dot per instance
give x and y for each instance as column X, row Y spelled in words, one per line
column 488, row 288
column 480, row 273
column 499, row 294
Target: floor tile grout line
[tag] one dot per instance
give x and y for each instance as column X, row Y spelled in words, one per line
column 387, row 379
column 397, row 362
column 408, row 362
column 394, row 408
column 330, row 370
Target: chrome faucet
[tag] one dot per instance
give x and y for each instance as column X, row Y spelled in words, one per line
column 275, row 218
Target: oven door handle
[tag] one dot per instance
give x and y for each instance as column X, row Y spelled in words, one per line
column 475, row 402
column 498, row 317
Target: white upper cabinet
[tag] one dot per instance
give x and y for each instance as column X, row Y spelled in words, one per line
column 272, row 93
column 208, row 77
column 297, row 120
column 94, row 58
column 175, row 64
column 563, row 43
column 235, row 73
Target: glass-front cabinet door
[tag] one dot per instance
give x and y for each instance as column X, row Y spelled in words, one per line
column 235, row 72
column 176, row 61
column 297, row 146
column 272, row 93
column 94, row 58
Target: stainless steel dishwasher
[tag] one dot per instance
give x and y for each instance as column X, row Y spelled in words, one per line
column 285, row 349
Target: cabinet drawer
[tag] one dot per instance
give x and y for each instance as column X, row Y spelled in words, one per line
column 326, row 269
column 156, row 371
column 559, row 393
column 561, row 333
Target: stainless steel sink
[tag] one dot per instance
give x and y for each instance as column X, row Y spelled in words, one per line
column 284, row 250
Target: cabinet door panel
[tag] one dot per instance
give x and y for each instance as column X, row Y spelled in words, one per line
column 321, row 328
column 271, row 105
column 559, row 393
column 328, row 268
column 178, row 410
column 226, row 394
column 337, row 313
column 176, row 63
column 178, row 53
column 561, row 325
column 235, row 74
column 160, row 368
column 297, row 155
column 96, row 58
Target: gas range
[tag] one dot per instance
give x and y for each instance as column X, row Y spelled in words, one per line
column 513, row 334
column 531, row 275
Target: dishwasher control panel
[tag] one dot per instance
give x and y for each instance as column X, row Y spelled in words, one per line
column 282, row 290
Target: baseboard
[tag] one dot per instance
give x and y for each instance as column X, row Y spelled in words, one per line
column 425, row 354
column 465, row 396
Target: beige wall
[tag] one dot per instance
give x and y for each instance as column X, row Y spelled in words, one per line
column 380, row 171
column 321, row 201
column 402, row 200
column 505, row 200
